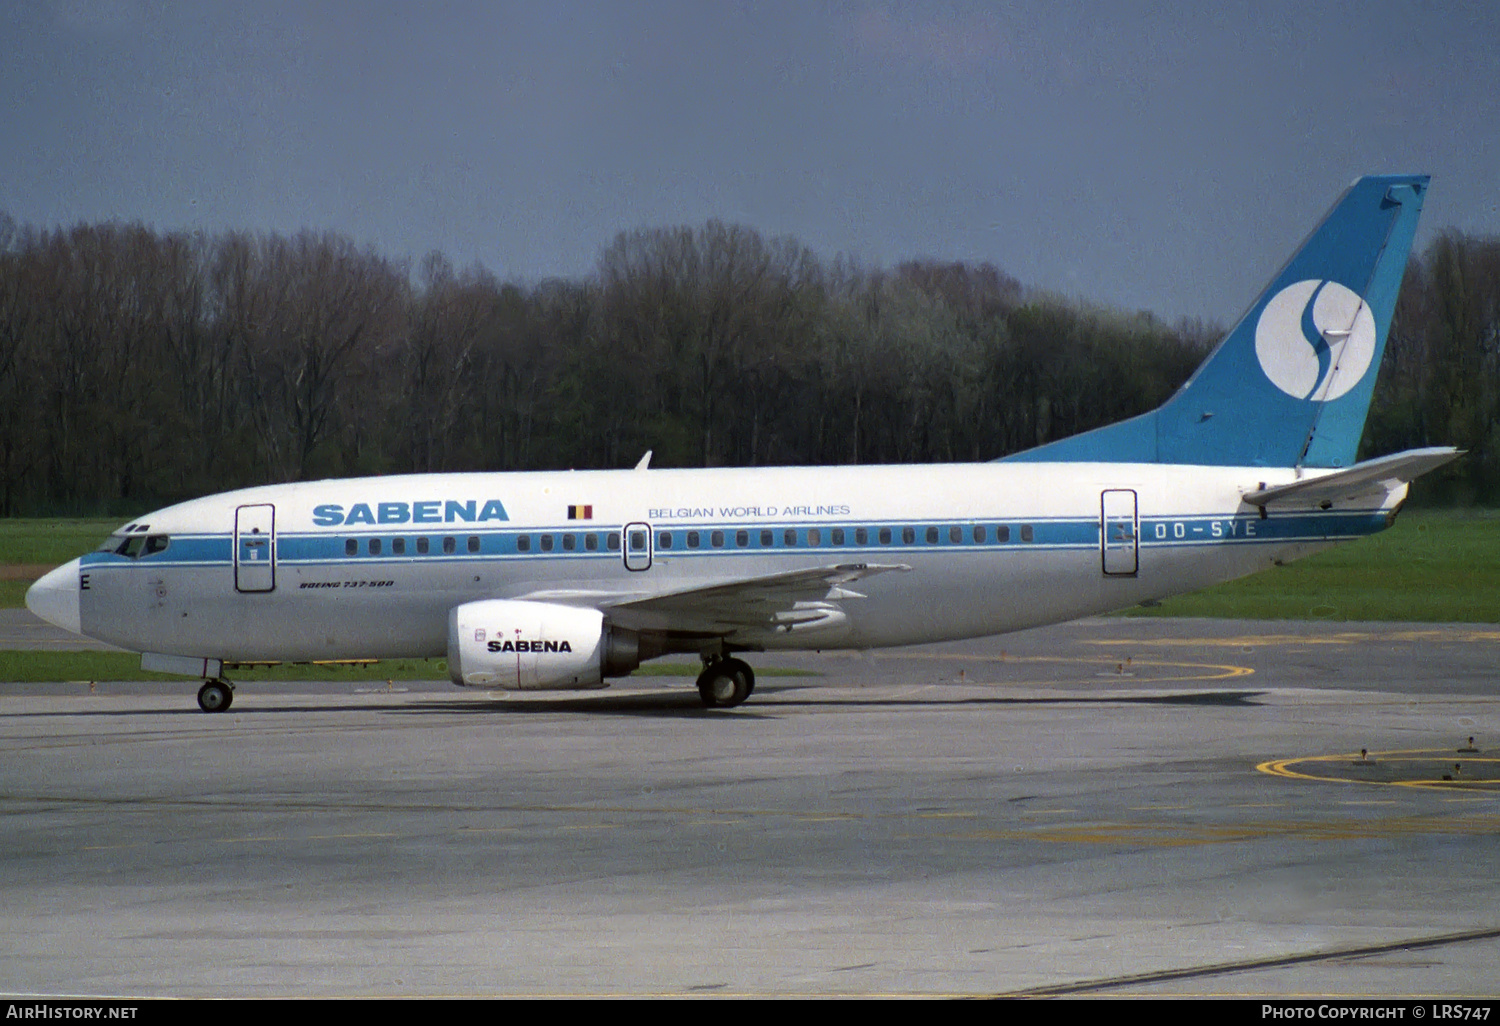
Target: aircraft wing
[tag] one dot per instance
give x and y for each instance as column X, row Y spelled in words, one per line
column 791, row 600
column 1372, row 476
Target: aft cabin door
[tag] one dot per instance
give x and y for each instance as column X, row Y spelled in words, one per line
column 255, row 548
column 1119, row 534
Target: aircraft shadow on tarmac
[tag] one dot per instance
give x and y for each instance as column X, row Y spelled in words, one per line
column 688, row 704
column 674, row 704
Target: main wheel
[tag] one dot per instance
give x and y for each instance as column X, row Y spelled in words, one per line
column 724, row 683
column 743, row 669
column 215, row 696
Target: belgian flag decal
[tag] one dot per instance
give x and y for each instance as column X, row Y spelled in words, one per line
column 580, row 512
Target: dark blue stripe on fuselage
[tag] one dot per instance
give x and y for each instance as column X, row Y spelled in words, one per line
column 182, row 550
column 328, row 548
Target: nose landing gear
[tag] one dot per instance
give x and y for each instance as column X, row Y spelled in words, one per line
column 725, row 683
column 215, row 696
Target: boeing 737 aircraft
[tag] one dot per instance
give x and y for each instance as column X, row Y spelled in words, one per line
column 562, row 580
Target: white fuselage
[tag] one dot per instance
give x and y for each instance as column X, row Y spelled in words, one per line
column 371, row 568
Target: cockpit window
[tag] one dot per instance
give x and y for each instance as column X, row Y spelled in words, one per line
column 136, row 545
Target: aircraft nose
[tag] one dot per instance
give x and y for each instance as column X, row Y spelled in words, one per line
column 54, row 598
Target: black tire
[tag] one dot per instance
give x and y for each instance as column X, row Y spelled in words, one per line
column 723, row 684
column 215, row 696
column 743, row 669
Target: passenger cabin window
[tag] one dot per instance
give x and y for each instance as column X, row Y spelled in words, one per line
column 473, row 543
column 422, row 546
column 398, row 546
column 908, row 535
column 546, row 543
column 767, row 539
column 885, row 536
column 693, row 539
column 742, row 538
column 612, row 540
column 591, row 542
column 979, row 533
column 1026, row 534
column 836, row 536
column 814, row 536
column 523, row 543
column 351, row 546
column 955, row 534
column 789, row 536
column 450, row 546
column 932, row 536
column 861, row 536
column 716, row 539
column 664, row 539
column 374, row 546
column 570, row 542
column 1002, row 533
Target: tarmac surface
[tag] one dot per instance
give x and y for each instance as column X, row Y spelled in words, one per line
column 1111, row 807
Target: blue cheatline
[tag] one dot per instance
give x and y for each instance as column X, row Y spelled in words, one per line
column 1046, row 533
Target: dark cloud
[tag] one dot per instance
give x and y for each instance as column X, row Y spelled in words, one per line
column 1135, row 154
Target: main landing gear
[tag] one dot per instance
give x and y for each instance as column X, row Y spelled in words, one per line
column 725, row 683
column 215, row 696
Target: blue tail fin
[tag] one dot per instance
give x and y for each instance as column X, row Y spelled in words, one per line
column 1290, row 385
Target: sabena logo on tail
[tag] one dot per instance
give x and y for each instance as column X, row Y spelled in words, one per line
column 1315, row 339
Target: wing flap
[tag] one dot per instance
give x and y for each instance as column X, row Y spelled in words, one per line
column 791, row 600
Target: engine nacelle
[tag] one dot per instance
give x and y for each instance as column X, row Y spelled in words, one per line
column 535, row 646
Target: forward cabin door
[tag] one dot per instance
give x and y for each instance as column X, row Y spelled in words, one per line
column 1119, row 533
column 255, row 548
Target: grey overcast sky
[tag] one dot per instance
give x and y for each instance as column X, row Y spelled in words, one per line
column 1165, row 157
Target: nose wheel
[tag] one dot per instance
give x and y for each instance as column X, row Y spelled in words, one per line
column 725, row 683
column 215, row 696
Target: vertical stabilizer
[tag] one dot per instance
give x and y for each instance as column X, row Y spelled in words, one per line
column 1290, row 384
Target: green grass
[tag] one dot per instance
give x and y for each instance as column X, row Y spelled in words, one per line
column 43, row 667
column 44, row 543
column 51, row 541
column 33, row 667
column 1432, row 566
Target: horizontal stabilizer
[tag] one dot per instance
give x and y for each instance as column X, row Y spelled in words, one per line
column 1384, row 474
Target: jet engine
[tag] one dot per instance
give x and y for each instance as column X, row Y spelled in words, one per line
column 536, row 646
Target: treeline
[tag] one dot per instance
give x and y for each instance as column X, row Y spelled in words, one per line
column 138, row 367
